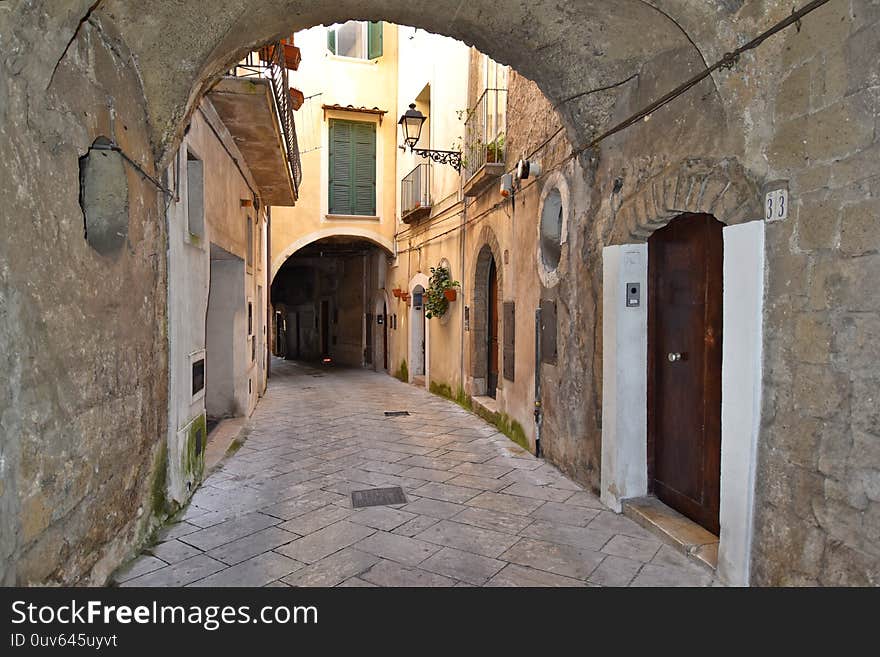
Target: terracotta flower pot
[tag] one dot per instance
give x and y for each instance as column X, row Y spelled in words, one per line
column 449, row 294
column 397, row 292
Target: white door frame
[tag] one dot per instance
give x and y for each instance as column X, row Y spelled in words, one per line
column 624, row 385
column 416, row 281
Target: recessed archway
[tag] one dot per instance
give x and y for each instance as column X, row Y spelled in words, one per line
column 488, row 274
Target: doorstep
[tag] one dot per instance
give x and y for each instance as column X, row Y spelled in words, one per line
column 678, row 531
column 219, row 440
column 419, row 381
column 487, row 403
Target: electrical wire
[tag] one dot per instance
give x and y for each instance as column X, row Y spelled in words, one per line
column 728, row 61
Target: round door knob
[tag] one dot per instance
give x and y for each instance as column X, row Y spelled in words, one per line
column 673, row 356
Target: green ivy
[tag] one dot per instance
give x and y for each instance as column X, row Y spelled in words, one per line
column 436, row 304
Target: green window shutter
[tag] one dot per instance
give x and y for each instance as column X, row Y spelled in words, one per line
column 374, row 40
column 352, row 168
column 364, row 169
column 341, row 156
column 331, row 40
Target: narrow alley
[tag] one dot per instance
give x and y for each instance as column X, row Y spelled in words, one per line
column 480, row 511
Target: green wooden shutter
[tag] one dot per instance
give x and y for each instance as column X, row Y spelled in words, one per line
column 364, row 169
column 352, row 168
column 331, row 40
column 374, row 40
column 341, row 156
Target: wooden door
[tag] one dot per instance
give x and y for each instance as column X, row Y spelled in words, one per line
column 325, row 329
column 685, row 273
column 368, row 346
column 492, row 332
column 385, row 337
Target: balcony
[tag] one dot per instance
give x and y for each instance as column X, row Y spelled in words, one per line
column 484, row 152
column 254, row 102
column 415, row 194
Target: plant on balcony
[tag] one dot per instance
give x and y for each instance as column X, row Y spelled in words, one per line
column 495, row 150
column 436, row 299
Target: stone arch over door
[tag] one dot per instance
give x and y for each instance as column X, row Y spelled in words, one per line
column 722, row 189
column 487, row 251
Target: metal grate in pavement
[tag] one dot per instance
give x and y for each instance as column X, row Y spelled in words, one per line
column 396, row 413
column 377, row 497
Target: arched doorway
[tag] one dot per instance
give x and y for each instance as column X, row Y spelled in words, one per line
column 417, row 333
column 685, row 274
column 492, row 331
column 486, row 319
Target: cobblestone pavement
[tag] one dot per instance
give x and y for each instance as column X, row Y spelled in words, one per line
column 480, row 510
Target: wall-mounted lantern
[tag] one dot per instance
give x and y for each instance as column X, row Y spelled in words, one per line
column 411, row 123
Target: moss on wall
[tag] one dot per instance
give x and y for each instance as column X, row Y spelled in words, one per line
column 158, row 485
column 501, row 421
column 402, row 372
column 506, row 425
column 196, row 440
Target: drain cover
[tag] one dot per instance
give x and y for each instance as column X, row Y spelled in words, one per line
column 395, row 413
column 377, row 497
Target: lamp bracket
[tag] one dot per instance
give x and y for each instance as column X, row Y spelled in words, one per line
column 452, row 158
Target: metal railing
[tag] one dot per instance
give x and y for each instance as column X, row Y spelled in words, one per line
column 269, row 63
column 484, row 131
column 415, row 189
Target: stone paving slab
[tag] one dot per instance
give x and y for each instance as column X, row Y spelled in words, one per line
column 481, row 511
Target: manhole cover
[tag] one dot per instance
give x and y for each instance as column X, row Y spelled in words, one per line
column 377, row 497
column 395, row 413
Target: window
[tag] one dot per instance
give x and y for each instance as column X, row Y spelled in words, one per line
column 352, row 168
column 551, row 229
column 250, row 243
column 355, row 39
column 195, row 195
column 198, row 376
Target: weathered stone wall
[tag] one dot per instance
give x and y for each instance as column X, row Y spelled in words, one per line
column 82, row 335
column 818, row 512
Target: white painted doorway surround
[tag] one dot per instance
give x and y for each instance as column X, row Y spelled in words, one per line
column 419, row 330
column 624, row 385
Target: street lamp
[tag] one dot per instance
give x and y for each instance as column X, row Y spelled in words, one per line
column 411, row 123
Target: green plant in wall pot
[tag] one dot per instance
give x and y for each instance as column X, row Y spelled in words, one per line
column 440, row 289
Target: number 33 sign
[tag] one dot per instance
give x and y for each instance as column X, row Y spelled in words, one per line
column 776, row 205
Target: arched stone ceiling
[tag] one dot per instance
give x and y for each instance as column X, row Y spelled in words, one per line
column 567, row 47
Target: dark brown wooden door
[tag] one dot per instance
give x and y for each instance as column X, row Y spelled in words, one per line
column 492, row 332
column 325, row 329
column 368, row 348
column 685, row 273
column 384, row 336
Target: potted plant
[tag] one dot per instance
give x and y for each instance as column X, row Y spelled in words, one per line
column 495, row 150
column 397, row 292
column 441, row 290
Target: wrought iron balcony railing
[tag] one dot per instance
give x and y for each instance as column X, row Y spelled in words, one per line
column 415, row 193
column 269, row 63
column 484, row 131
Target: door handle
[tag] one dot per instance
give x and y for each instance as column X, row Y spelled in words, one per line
column 673, row 356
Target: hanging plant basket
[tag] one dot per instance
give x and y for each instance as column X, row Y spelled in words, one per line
column 441, row 290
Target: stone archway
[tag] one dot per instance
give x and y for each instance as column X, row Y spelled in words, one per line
column 722, row 189
column 135, row 72
column 487, row 253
